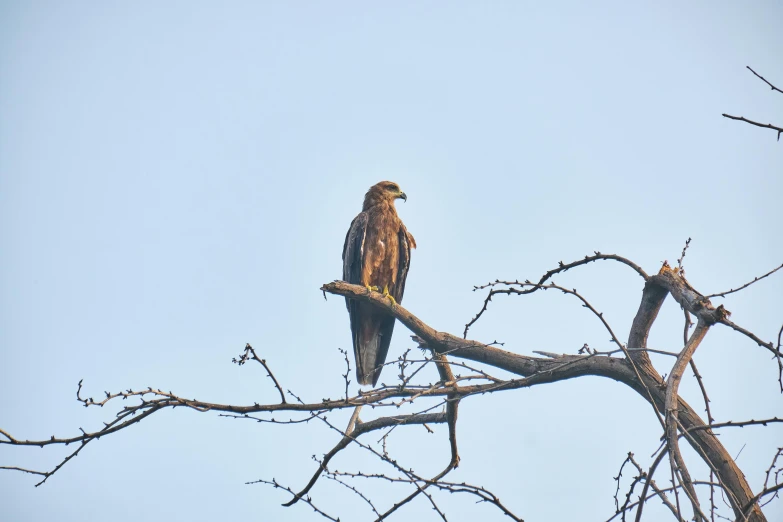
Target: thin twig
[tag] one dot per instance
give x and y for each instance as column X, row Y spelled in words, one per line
column 353, row 431
column 250, row 353
column 657, row 493
column 352, row 488
column 308, row 500
column 757, row 124
column 562, row 267
column 734, row 424
column 684, row 249
column 649, row 482
column 755, row 279
column 763, row 79
column 699, row 380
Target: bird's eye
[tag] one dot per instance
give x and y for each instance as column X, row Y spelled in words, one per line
column 395, row 188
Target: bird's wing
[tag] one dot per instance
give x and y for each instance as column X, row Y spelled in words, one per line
column 364, row 326
column 353, row 250
column 406, row 242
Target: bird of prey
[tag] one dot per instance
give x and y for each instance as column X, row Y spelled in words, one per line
column 376, row 254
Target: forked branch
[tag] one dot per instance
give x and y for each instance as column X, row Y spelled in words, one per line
column 629, row 364
column 757, row 124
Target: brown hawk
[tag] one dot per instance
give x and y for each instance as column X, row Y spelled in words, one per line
column 376, row 254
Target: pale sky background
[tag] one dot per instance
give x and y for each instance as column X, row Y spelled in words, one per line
column 176, row 179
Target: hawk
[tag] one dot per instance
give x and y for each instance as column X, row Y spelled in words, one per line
column 376, row 255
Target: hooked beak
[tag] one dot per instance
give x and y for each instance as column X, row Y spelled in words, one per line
column 403, row 197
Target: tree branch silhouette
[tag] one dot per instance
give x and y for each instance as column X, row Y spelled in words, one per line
column 628, row 365
column 757, row 124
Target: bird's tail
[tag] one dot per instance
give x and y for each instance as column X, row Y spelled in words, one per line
column 366, row 347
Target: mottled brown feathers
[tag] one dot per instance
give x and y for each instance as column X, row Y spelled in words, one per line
column 376, row 253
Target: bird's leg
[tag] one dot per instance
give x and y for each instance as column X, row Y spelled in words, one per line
column 372, row 288
column 387, row 294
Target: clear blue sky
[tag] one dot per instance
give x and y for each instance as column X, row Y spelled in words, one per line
column 176, row 180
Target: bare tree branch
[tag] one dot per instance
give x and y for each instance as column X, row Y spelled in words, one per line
column 361, row 495
column 629, row 364
column 540, row 371
column 699, row 380
column 672, row 384
column 562, row 267
column 755, row 279
column 642, row 476
column 355, row 430
column 657, row 493
column 738, row 424
column 757, row 124
column 763, row 79
column 250, row 353
column 308, row 500
column 452, row 487
column 682, row 256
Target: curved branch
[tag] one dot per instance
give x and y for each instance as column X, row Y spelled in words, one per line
column 250, row 353
column 562, row 267
column 355, row 430
column 533, row 371
column 539, row 370
column 672, row 386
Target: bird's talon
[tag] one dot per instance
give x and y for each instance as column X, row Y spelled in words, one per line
column 387, row 294
column 372, row 288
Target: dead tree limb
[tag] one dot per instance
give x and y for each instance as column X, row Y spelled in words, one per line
column 757, row 124
column 649, row 385
column 631, row 366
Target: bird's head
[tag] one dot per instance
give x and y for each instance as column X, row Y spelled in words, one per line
column 386, row 191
